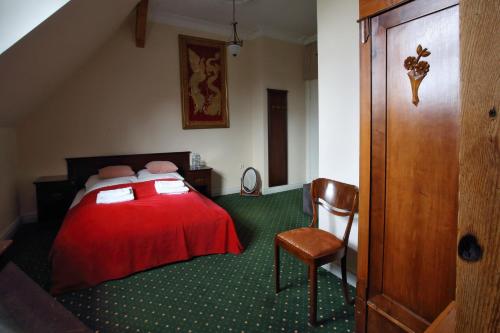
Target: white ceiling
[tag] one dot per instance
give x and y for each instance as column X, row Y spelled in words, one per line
column 291, row 20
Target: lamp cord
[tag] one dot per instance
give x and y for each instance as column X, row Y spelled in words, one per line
column 234, row 12
column 236, row 38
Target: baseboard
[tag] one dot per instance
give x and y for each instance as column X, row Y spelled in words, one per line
column 283, row 188
column 268, row 190
column 225, row 191
column 11, row 229
column 335, row 270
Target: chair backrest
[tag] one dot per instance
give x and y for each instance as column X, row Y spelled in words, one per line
column 337, row 198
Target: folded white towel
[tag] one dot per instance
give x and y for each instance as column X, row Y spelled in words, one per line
column 180, row 190
column 115, row 193
column 169, row 183
column 174, row 190
column 114, row 196
column 122, row 198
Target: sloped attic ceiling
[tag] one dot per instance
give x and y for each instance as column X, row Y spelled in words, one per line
column 17, row 18
column 38, row 63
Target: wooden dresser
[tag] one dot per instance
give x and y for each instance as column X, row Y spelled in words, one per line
column 201, row 179
column 53, row 196
column 25, row 307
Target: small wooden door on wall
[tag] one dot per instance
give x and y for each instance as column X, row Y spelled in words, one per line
column 277, row 136
column 414, row 168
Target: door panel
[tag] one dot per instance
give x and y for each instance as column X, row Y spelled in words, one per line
column 414, row 166
column 379, row 324
column 277, row 137
column 422, row 166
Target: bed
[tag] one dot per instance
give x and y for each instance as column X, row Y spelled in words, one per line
column 97, row 243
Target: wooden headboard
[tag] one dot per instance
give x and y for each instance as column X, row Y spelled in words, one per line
column 81, row 168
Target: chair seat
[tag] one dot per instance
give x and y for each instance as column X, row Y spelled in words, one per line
column 313, row 242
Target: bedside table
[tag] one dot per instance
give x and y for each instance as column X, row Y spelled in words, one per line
column 54, row 195
column 200, row 179
column 4, row 245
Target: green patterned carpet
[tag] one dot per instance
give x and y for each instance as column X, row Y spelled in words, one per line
column 217, row 293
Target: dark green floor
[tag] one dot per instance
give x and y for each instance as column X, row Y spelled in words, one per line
column 218, row 293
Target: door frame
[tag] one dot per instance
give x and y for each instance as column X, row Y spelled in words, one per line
column 478, row 284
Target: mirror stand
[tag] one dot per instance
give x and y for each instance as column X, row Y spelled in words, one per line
column 250, row 183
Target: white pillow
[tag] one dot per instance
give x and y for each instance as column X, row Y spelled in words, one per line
column 94, row 182
column 144, row 175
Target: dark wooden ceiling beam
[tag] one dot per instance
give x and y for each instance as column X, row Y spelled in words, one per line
column 140, row 23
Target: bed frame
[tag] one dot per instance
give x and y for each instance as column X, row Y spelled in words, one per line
column 81, row 168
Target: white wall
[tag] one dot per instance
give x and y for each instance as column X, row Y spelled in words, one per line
column 126, row 100
column 8, row 192
column 276, row 68
column 338, row 61
column 18, row 17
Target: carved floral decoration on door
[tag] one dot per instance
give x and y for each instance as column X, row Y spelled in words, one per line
column 417, row 70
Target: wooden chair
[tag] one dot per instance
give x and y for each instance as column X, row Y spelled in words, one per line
column 317, row 247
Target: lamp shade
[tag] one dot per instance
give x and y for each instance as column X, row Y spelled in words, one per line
column 234, row 49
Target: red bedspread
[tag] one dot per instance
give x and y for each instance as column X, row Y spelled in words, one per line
column 99, row 242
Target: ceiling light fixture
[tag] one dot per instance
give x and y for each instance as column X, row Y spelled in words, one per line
column 236, row 44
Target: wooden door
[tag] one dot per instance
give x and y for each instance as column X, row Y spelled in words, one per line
column 277, row 137
column 414, row 165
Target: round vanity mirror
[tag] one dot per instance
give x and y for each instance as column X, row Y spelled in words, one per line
column 250, row 182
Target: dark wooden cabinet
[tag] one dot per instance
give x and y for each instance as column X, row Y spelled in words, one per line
column 373, row 7
column 25, row 307
column 4, row 245
column 409, row 167
column 53, row 196
column 200, row 179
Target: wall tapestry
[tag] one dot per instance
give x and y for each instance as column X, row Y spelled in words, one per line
column 203, row 82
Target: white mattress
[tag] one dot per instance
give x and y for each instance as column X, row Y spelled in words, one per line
column 78, row 198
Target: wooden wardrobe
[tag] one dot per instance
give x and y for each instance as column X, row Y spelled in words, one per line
column 409, row 156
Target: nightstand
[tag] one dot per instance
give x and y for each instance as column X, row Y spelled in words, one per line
column 54, row 195
column 4, row 245
column 200, row 179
